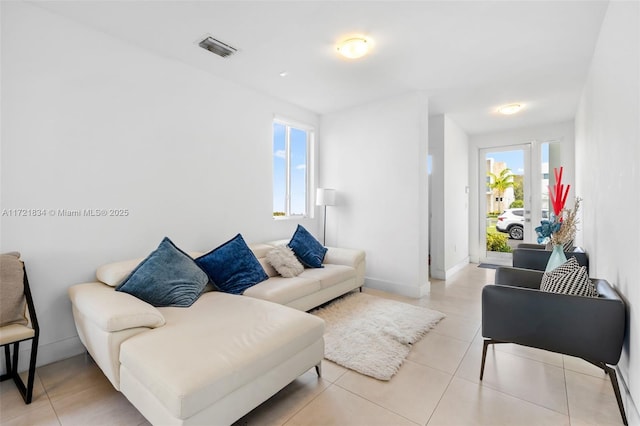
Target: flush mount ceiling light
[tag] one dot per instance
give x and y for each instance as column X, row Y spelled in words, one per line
column 510, row 109
column 354, row 47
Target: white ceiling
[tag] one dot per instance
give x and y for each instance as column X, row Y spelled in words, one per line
column 469, row 57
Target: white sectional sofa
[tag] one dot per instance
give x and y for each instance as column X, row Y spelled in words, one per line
column 343, row 271
column 216, row 360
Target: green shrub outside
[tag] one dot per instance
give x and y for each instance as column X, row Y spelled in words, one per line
column 498, row 242
column 517, row 204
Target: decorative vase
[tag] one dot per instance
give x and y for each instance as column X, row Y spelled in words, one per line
column 557, row 258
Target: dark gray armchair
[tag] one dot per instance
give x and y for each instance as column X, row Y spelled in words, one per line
column 534, row 256
column 516, row 311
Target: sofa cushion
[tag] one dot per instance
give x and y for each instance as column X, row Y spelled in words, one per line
column 307, row 248
column 330, row 275
column 232, row 267
column 569, row 278
column 284, row 290
column 270, row 270
column 212, row 353
column 284, row 260
column 260, row 251
column 114, row 273
column 167, row 277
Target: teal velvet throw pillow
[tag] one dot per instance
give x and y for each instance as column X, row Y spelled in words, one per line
column 167, row 277
column 232, row 267
column 307, row 248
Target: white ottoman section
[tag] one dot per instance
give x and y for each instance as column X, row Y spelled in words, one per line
column 226, row 355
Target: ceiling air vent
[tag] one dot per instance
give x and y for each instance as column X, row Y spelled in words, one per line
column 217, row 47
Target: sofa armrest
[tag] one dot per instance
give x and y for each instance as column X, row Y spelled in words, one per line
column 112, row 310
column 530, row 258
column 532, row 246
column 518, row 277
column 343, row 256
column 586, row 327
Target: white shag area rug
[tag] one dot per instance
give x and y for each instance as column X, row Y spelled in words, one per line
column 373, row 335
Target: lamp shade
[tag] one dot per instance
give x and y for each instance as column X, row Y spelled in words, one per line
column 325, row 197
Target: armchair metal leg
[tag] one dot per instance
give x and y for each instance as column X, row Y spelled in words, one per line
column 616, row 389
column 485, row 345
column 319, row 369
column 611, row 372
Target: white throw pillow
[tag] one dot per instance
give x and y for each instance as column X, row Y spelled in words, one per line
column 285, row 262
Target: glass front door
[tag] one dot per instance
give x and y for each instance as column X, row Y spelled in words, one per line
column 506, row 204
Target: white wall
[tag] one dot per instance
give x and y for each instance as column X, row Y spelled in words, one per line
column 608, row 172
column 437, row 198
column 563, row 133
column 449, row 146
column 378, row 165
column 90, row 122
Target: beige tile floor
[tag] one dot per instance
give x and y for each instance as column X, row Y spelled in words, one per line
column 437, row 385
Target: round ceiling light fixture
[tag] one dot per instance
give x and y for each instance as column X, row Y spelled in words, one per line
column 354, row 47
column 510, row 109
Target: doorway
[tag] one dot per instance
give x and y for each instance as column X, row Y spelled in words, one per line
column 507, row 207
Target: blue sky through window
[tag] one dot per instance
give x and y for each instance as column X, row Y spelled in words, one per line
column 515, row 159
column 298, row 154
column 298, row 149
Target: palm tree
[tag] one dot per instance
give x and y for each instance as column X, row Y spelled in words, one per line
column 500, row 183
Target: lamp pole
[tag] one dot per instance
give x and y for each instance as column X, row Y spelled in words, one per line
column 324, row 227
column 325, row 197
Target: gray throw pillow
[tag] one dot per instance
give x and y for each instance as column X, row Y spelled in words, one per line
column 167, row 277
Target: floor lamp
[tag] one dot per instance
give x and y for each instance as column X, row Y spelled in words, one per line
column 325, row 197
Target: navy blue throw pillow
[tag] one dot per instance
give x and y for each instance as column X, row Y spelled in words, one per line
column 307, row 248
column 232, row 267
column 167, row 277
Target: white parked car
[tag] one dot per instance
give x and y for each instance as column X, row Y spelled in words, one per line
column 511, row 221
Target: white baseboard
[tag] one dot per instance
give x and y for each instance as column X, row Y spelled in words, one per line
column 633, row 417
column 401, row 289
column 446, row 274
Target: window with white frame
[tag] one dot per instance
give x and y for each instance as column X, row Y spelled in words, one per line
column 291, row 167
